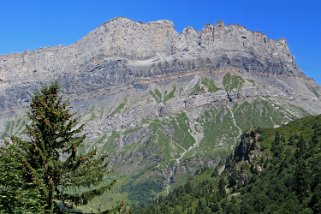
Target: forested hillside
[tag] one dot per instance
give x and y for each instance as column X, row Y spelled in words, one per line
column 270, row 171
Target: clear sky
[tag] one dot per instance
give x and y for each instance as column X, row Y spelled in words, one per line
column 26, row 25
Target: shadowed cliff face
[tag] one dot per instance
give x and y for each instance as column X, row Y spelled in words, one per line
column 163, row 103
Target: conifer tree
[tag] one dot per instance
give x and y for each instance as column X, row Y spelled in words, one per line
column 51, row 159
column 303, row 179
column 277, row 145
column 221, row 187
column 14, row 194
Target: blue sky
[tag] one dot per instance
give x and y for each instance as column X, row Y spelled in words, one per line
column 31, row 24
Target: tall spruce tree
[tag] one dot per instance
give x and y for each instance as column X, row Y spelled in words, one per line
column 51, row 159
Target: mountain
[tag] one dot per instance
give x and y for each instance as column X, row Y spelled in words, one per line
column 270, row 171
column 162, row 103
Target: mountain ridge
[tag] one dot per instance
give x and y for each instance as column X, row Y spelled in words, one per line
column 124, row 19
column 160, row 50
column 167, row 25
column 159, row 102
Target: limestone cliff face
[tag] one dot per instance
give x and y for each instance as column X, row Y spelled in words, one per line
column 122, row 50
column 128, row 39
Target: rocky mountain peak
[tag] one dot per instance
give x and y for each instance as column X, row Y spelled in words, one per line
column 162, row 103
column 124, row 38
column 136, row 40
column 125, row 51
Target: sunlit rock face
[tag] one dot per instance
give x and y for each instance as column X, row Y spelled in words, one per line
column 121, row 51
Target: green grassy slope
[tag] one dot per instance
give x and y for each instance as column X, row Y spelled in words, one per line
column 205, row 84
column 231, row 82
column 141, row 173
column 14, row 127
column 172, row 150
column 270, row 171
column 169, row 139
